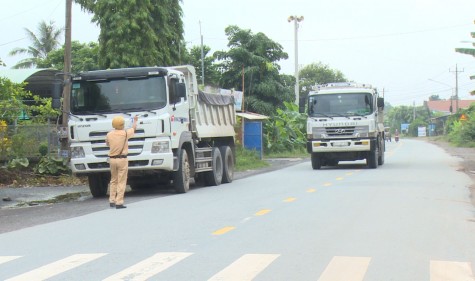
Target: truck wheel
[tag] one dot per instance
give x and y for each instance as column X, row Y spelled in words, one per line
column 98, row 184
column 215, row 176
column 228, row 164
column 181, row 178
column 372, row 160
column 316, row 161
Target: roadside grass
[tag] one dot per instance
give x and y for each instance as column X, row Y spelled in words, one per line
column 249, row 159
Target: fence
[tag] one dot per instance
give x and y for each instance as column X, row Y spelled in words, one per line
column 27, row 141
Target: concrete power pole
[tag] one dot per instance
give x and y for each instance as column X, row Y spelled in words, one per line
column 67, row 84
column 296, row 21
column 456, row 87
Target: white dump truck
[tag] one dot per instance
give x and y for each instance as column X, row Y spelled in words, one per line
column 345, row 123
column 182, row 133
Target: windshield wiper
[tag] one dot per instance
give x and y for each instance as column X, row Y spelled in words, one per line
column 93, row 113
column 341, row 115
column 137, row 109
column 323, row 114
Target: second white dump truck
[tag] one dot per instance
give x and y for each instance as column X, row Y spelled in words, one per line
column 345, row 123
column 181, row 133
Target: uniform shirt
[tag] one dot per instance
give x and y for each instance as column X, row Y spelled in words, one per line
column 116, row 141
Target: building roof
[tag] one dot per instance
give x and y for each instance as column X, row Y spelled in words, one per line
column 252, row 116
column 444, row 105
column 22, row 75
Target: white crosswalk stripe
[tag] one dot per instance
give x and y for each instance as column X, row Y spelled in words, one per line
column 245, row 268
column 346, row 268
column 4, row 259
column 450, row 271
column 57, row 267
column 149, row 267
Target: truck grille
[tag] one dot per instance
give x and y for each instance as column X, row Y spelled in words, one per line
column 100, row 149
column 340, row 131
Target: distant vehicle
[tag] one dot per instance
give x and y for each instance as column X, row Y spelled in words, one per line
column 182, row 133
column 345, row 123
column 387, row 134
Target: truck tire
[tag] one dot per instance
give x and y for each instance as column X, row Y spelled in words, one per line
column 181, row 178
column 98, row 184
column 316, row 161
column 228, row 164
column 215, row 176
column 372, row 160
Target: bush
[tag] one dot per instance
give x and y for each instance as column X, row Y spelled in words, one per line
column 52, row 165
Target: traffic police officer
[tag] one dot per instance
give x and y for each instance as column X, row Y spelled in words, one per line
column 117, row 140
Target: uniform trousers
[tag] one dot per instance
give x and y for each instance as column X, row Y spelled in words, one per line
column 119, row 168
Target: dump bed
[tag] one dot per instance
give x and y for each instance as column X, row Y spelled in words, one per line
column 211, row 115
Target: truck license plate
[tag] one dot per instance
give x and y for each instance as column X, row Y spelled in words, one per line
column 340, row 144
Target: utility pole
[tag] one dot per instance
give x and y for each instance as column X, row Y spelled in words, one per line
column 67, row 84
column 456, row 87
column 296, row 21
column 202, row 60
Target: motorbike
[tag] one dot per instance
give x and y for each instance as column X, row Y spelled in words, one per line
column 396, row 138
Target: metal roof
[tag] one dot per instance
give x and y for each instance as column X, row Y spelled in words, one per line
column 22, row 75
column 252, row 116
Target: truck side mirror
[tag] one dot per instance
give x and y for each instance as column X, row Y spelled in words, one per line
column 380, row 102
column 57, row 91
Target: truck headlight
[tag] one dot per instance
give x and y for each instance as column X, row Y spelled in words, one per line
column 160, row 147
column 361, row 131
column 319, row 133
column 77, row 152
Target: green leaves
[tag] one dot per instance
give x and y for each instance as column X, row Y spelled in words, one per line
column 137, row 33
column 286, row 131
column 254, row 57
column 52, row 165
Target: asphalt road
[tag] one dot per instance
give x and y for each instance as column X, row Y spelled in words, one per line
column 410, row 219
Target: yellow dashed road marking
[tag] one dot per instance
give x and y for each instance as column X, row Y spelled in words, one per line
column 327, row 184
column 339, row 178
column 223, row 230
column 290, row 199
column 310, row 190
column 262, row 212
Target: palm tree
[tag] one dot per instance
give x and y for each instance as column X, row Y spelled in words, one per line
column 41, row 44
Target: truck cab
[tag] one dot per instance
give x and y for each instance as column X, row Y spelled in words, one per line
column 345, row 123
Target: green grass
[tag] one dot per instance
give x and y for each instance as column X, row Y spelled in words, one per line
column 249, row 160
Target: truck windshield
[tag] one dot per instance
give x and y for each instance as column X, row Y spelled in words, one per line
column 118, row 95
column 342, row 104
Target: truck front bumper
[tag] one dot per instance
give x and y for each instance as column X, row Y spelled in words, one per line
column 93, row 164
column 348, row 145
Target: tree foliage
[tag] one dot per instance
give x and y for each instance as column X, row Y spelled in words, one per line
column 286, row 130
column 137, row 32
column 316, row 73
column 84, row 57
column 255, row 57
column 42, row 43
column 395, row 116
column 212, row 74
column 12, row 105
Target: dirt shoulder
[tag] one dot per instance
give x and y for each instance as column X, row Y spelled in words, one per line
column 467, row 165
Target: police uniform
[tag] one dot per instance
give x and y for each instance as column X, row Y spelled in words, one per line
column 117, row 140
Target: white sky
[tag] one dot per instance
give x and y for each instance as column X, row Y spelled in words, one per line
column 400, row 46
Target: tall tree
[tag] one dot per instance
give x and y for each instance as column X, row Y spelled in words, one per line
column 212, row 74
column 317, row 73
column 257, row 56
column 2, row 63
column 84, row 57
column 137, row 32
column 45, row 41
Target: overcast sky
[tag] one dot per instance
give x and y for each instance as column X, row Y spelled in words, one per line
column 405, row 47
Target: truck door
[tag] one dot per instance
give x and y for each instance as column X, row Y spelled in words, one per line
column 178, row 109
